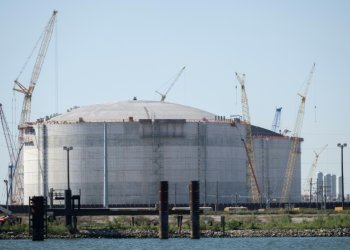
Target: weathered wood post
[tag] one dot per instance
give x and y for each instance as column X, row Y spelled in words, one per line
column 194, row 209
column 68, row 207
column 37, row 214
column 179, row 223
column 163, row 211
column 222, row 219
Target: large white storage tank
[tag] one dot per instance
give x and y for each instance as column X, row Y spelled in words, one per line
column 140, row 143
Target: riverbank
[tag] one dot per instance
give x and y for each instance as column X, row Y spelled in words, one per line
column 118, row 234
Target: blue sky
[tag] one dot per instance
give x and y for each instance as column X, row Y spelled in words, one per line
column 107, row 51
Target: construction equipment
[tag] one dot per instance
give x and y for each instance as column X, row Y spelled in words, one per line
column 26, row 107
column 277, row 120
column 8, row 217
column 8, row 138
column 295, row 142
column 28, row 92
column 163, row 96
column 11, row 149
column 248, row 143
column 308, row 181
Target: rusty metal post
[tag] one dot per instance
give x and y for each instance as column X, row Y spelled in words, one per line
column 194, row 209
column 163, row 211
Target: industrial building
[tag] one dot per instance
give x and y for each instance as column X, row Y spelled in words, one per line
column 122, row 150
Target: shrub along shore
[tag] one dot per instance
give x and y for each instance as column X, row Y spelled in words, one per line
column 250, row 224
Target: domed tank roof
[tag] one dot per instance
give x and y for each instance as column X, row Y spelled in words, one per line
column 123, row 110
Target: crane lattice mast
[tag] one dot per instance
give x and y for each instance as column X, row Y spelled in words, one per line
column 313, row 169
column 28, row 92
column 163, row 96
column 248, row 143
column 295, row 142
column 8, row 138
column 26, row 106
column 11, row 147
column 277, row 120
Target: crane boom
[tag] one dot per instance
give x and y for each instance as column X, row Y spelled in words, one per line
column 26, row 106
column 163, row 96
column 248, row 143
column 11, row 149
column 28, row 92
column 8, row 138
column 313, row 168
column 288, row 177
column 277, row 120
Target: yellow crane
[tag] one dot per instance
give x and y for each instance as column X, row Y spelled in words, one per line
column 26, row 106
column 308, row 181
column 163, row 96
column 254, row 191
column 288, row 177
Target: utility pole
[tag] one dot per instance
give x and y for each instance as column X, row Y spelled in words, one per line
column 317, row 194
column 68, row 192
column 310, row 197
column 325, row 198
column 68, row 149
column 342, row 173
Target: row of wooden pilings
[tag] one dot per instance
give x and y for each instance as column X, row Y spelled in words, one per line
column 164, row 209
column 38, row 212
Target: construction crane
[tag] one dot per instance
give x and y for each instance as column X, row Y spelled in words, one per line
column 288, row 177
column 13, row 153
column 26, row 107
column 308, row 181
column 277, row 120
column 28, row 92
column 11, row 149
column 163, row 96
column 8, row 138
column 248, row 143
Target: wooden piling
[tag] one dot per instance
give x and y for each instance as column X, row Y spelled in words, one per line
column 163, row 211
column 37, row 223
column 194, row 209
column 68, row 207
column 179, row 223
column 222, row 219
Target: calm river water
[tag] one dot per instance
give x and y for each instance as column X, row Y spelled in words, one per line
column 202, row 244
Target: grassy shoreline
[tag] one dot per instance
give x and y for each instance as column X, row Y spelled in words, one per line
column 247, row 224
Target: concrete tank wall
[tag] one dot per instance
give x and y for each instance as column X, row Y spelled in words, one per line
column 140, row 154
column 271, row 155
